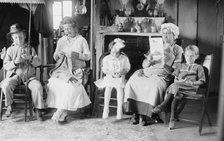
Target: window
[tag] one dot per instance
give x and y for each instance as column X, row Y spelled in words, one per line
column 61, row 9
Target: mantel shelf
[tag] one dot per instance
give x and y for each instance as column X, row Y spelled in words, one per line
column 132, row 33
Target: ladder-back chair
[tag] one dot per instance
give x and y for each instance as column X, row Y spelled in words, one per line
column 22, row 95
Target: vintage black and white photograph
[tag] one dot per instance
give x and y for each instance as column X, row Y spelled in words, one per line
column 111, row 70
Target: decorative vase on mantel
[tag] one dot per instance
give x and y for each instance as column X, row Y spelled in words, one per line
column 128, row 23
column 146, row 25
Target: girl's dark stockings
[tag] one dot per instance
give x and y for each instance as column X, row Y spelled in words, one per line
column 174, row 104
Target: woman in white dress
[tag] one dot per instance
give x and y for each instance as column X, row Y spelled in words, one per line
column 65, row 89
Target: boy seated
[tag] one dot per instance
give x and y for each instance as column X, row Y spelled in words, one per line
column 20, row 62
column 188, row 77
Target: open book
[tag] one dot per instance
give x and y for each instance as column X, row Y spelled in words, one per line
column 156, row 49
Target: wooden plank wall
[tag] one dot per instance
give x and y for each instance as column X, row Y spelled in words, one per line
column 187, row 21
column 220, row 135
column 171, row 10
column 220, row 26
column 210, row 29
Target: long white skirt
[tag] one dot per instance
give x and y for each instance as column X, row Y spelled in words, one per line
column 66, row 96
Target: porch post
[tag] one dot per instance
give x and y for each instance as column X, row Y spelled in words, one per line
column 221, row 100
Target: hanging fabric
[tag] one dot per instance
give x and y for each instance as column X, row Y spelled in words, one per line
column 41, row 21
column 23, row 1
column 16, row 15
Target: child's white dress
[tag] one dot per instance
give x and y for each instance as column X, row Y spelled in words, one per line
column 113, row 64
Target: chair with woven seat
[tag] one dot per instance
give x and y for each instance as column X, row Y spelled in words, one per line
column 22, row 95
column 202, row 94
column 44, row 76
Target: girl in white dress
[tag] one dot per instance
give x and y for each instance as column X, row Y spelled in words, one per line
column 65, row 89
column 115, row 65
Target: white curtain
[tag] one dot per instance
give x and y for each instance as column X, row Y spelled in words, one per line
column 23, row 1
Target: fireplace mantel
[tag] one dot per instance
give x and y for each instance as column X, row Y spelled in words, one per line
column 131, row 34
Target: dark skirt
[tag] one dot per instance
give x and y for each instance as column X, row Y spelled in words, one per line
column 137, row 107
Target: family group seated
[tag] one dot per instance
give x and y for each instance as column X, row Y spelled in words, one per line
column 145, row 94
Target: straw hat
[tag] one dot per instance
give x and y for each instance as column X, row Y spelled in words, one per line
column 15, row 28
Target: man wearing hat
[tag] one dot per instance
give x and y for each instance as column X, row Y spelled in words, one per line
column 20, row 62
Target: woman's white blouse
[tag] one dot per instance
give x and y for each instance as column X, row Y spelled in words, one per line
column 77, row 44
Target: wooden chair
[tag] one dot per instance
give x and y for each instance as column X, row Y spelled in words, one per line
column 179, row 41
column 86, row 80
column 202, row 95
column 22, row 95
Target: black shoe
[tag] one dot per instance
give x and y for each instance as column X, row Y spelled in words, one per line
column 144, row 121
column 156, row 118
column 135, row 119
column 159, row 120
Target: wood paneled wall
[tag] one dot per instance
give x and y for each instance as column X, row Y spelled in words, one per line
column 210, row 29
column 187, row 21
column 221, row 102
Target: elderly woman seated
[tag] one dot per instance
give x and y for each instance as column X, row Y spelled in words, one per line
column 146, row 87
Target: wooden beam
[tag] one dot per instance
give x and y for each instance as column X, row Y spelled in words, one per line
column 92, row 44
column 92, row 13
column 221, row 100
column 94, row 27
